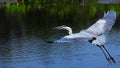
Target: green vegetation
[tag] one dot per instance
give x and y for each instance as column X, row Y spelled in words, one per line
column 56, row 12
column 60, row 7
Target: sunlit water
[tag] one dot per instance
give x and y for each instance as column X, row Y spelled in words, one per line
column 31, row 51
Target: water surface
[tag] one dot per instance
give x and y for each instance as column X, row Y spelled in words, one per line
column 22, row 38
column 31, row 51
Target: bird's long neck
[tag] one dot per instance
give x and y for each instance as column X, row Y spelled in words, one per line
column 69, row 30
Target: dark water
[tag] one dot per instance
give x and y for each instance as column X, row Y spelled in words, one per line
column 22, row 42
column 28, row 50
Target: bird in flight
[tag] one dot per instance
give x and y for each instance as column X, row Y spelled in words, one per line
column 95, row 34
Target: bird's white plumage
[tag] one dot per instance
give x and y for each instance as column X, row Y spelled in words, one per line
column 65, row 28
column 104, row 24
column 100, row 40
column 110, row 15
column 94, row 34
column 97, row 30
column 76, row 37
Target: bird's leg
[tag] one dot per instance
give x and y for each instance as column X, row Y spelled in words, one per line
column 107, row 58
column 109, row 54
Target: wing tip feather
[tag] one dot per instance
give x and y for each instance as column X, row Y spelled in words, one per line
column 111, row 14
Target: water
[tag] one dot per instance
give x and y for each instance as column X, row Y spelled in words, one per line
column 22, row 38
column 29, row 50
column 108, row 1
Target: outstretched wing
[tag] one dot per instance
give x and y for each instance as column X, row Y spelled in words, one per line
column 104, row 24
column 76, row 37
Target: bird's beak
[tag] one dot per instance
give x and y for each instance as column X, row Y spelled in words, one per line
column 57, row 27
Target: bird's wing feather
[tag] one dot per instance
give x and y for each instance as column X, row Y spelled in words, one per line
column 104, row 24
column 75, row 37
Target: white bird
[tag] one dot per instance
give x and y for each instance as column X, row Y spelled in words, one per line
column 95, row 34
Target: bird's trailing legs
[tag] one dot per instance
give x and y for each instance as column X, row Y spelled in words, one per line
column 108, row 57
column 113, row 60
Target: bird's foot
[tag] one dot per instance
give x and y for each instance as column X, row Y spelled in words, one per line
column 113, row 60
column 109, row 60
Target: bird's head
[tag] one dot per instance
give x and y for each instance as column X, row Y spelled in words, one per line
column 62, row 27
column 65, row 28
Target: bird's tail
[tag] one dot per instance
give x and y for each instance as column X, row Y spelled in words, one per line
column 110, row 15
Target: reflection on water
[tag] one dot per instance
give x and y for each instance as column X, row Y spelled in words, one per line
column 23, row 50
column 22, row 42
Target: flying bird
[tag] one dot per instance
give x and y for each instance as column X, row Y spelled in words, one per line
column 95, row 34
